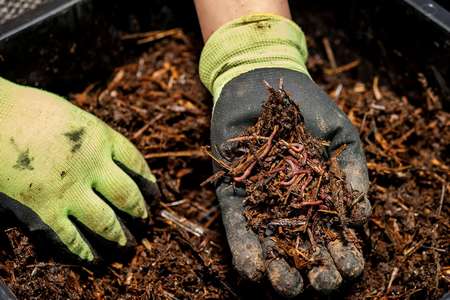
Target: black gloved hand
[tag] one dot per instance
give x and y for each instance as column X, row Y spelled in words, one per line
column 322, row 119
column 235, row 61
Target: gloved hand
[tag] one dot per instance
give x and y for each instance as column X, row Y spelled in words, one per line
column 61, row 164
column 235, row 61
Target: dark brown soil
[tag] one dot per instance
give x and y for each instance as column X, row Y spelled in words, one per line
column 159, row 103
column 405, row 142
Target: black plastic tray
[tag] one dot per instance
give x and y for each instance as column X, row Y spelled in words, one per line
column 65, row 44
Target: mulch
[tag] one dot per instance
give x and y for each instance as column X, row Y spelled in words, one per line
column 158, row 102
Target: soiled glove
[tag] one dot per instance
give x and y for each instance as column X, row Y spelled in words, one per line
column 235, row 61
column 59, row 166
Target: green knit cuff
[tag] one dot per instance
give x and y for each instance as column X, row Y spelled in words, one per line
column 248, row 43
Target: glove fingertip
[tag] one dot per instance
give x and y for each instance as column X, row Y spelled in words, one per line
column 248, row 260
column 286, row 280
column 244, row 244
column 361, row 211
column 324, row 277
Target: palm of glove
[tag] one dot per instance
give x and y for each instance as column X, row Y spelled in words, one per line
column 59, row 163
column 237, row 108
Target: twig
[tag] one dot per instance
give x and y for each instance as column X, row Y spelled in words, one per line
column 357, row 199
column 184, row 153
column 330, row 54
column 379, row 107
column 50, row 264
column 376, row 90
column 218, row 161
column 328, row 212
column 434, row 234
column 393, row 275
column 290, row 222
column 182, row 222
column 205, row 266
column 138, row 133
column 169, row 295
column 176, row 203
column 246, row 138
column 343, row 68
column 409, row 251
column 441, row 200
column 311, row 238
column 141, row 131
column 146, row 37
column 300, row 253
column 437, row 249
column 213, row 178
column 363, row 122
column 147, row 244
column 318, row 186
column 338, row 91
column 212, row 219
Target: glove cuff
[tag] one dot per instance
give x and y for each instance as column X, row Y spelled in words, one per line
column 251, row 42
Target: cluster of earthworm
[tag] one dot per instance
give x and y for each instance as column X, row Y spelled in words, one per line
column 292, row 190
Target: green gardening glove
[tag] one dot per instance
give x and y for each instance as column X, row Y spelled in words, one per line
column 58, row 163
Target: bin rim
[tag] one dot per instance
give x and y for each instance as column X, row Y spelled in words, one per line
column 34, row 17
column 432, row 11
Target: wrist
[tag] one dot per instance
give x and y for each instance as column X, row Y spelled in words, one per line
column 248, row 43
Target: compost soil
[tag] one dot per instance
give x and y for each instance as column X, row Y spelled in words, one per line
column 294, row 193
column 158, row 102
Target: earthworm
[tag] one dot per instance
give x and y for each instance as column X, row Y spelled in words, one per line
column 305, row 184
column 309, row 203
column 297, row 147
column 269, row 143
column 295, row 170
column 292, row 152
column 263, row 154
column 289, row 182
column 293, row 164
column 246, row 173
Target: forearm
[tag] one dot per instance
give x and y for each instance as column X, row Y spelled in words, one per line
column 212, row 13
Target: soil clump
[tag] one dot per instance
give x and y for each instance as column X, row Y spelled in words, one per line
column 294, row 193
